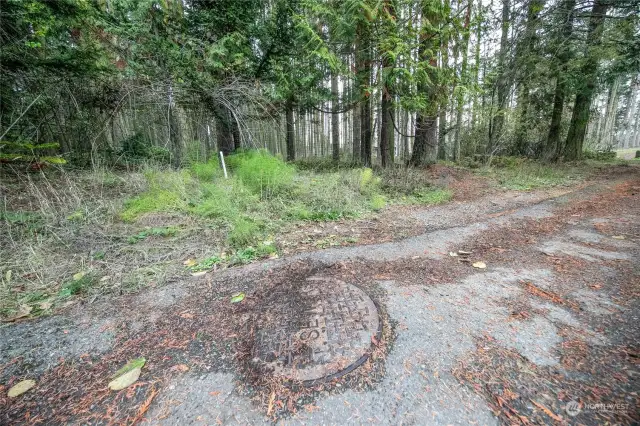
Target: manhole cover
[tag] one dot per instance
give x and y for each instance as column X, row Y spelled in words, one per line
column 317, row 332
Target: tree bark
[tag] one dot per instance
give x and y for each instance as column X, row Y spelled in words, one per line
column 581, row 109
column 385, row 128
column 290, row 131
column 526, row 55
column 464, row 80
column 354, row 89
column 442, row 119
column 335, row 118
column 606, row 138
column 365, row 103
column 425, row 144
column 567, row 13
column 476, row 68
column 631, row 132
column 502, row 85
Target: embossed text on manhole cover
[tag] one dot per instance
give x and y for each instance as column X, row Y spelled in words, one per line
column 321, row 330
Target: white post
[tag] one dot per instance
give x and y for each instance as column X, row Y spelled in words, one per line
column 224, row 167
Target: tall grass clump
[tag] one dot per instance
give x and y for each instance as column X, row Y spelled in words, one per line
column 524, row 174
column 262, row 173
column 208, row 171
column 167, row 191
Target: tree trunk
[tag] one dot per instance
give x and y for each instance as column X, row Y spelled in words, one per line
column 526, row 55
column 365, row 104
column 425, row 144
column 567, row 12
column 630, row 133
column 405, row 137
column 235, row 131
column 581, row 109
column 502, row 85
column 605, row 139
column 335, row 118
column 442, row 119
column 464, row 80
column 224, row 130
column 290, row 131
column 355, row 137
column 386, row 157
column 476, row 67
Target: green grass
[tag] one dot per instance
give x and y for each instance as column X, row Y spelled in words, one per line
column 263, row 193
column 206, row 172
column 523, row 175
column 431, row 196
column 262, row 173
column 76, row 285
column 166, row 231
column 167, row 191
column 239, row 257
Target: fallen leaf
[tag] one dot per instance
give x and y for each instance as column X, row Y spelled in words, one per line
column 186, row 315
column 547, row 411
column 480, row 265
column 214, row 393
column 272, row 398
column 618, row 237
column 125, row 380
column 131, row 365
column 20, row 388
column 199, row 274
column 190, row 262
column 78, row 276
column 237, row 298
column 180, row 367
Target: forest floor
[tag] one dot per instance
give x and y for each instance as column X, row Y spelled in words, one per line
column 552, row 319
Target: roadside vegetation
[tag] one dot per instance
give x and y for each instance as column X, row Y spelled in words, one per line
column 69, row 234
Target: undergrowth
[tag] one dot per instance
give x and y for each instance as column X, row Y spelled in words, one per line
column 261, row 193
column 524, row 174
column 127, row 230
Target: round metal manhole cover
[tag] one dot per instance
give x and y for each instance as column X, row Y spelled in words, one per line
column 321, row 330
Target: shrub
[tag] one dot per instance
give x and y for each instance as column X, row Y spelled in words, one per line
column 168, row 191
column 243, row 232
column 206, row 172
column 403, row 181
column 378, row 202
column 262, row 173
column 325, row 164
column 508, row 162
column 600, row 155
column 137, row 148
